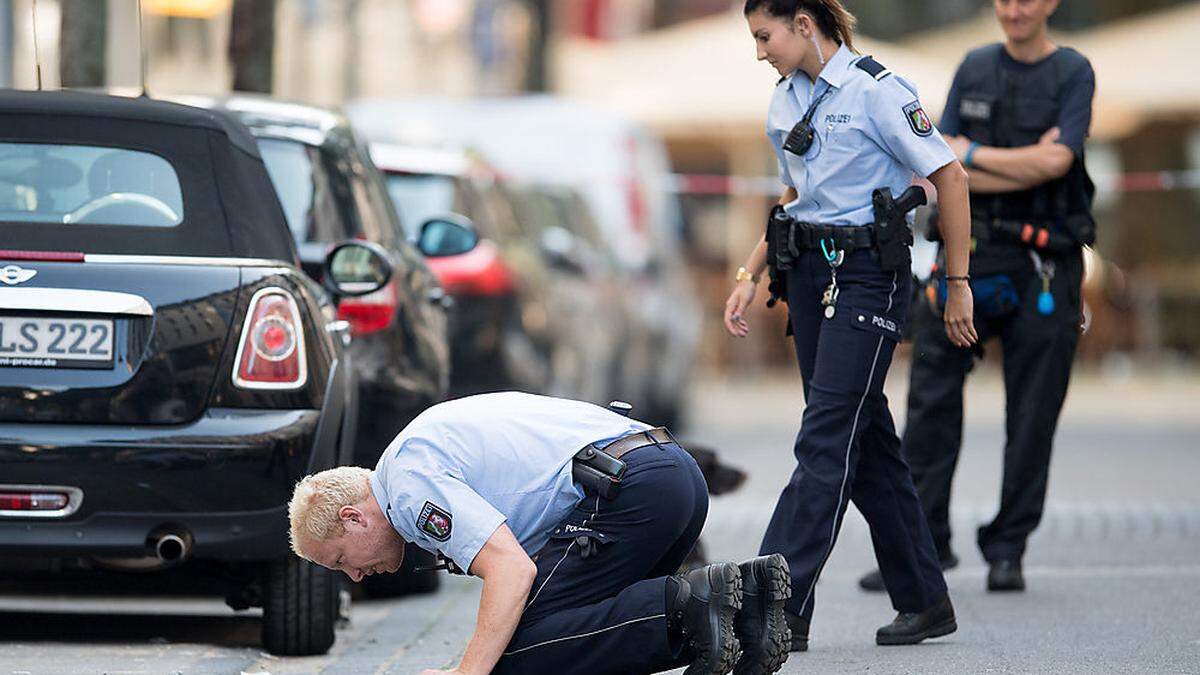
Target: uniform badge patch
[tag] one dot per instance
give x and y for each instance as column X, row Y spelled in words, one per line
column 917, row 119
column 975, row 110
column 434, row 522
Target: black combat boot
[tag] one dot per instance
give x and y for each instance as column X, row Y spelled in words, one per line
column 1005, row 575
column 760, row 625
column 909, row 629
column 702, row 611
column 873, row 581
column 798, row 626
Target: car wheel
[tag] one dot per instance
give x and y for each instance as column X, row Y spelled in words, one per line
column 405, row 581
column 300, row 608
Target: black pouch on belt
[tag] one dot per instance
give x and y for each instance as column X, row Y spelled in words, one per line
column 780, row 253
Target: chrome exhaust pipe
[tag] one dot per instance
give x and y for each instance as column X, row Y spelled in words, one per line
column 173, row 548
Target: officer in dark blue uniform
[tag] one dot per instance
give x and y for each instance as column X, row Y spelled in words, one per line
column 576, row 518
column 850, row 137
column 1017, row 114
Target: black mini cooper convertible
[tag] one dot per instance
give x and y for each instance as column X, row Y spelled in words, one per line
column 167, row 372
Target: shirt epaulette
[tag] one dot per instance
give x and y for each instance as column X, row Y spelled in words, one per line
column 872, row 67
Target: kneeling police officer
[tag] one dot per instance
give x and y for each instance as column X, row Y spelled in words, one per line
column 577, row 519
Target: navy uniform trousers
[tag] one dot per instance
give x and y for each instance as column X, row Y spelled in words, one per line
column 598, row 604
column 847, row 448
column 1038, row 351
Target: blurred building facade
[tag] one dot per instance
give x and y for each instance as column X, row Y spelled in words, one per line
column 686, row 69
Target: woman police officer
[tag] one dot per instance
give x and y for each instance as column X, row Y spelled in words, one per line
column 848, row 133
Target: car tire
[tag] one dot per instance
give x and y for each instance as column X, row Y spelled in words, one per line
column 405, row 581
column 300, row 608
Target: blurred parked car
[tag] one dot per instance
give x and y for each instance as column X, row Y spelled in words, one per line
column 502, row 332
column 587, row 292
column 167, row 372
column 622, row 171
column 331, row 192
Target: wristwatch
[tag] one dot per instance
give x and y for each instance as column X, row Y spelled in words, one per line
column 743, row 274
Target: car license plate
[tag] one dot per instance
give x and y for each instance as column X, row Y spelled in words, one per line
column 38, row 342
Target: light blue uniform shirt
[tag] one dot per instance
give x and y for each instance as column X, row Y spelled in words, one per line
column 870, row 134
column 464, row 467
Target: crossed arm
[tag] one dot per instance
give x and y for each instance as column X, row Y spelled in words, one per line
column 508, row 574
column 1013, row 169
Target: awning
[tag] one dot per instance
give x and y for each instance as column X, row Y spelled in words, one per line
column 701, row 78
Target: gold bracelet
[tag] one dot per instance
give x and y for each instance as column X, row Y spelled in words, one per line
column 743, row 274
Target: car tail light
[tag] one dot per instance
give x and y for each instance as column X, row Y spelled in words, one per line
column 39, row 501
column 271, row 353
column 479, row 272
column 32, row 501
column 370, row 313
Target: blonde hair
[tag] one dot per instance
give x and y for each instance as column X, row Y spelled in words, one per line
column 316, row 500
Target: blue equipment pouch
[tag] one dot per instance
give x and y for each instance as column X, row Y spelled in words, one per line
column 995, row 295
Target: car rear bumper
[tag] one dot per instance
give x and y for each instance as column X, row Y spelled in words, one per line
column 225, row 479
column 247, row 535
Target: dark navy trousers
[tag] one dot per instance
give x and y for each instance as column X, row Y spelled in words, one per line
column 847, row 447
column 598, row 604
column 1038, row 352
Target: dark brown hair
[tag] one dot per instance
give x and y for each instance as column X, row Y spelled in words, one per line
column 834, row 20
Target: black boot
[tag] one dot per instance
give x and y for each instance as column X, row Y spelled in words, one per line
column 798, row 625
column 873, row 581
column 909, row 629
column 1005, row 575
column 702, row 612
column 760, row 626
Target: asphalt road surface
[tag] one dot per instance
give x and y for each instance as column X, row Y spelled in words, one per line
column 1113, row 572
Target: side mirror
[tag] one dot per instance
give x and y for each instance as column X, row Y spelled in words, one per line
column 356, row 268
column 446, row 236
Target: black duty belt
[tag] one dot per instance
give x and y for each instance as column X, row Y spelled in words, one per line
column 602, row 468
column 1029, row 234
column 808, row 236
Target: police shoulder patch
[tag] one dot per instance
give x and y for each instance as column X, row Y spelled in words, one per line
column 435, row 522
column 918, row 121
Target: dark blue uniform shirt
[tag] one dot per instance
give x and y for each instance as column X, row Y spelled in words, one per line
column 1075, row 116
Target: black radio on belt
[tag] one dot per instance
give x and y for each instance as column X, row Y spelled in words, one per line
column 602, row 468
column 593, row 468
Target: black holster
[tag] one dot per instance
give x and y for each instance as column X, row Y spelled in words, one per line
column 893, row 237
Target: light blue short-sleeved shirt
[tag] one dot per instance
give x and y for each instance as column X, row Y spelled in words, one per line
column 464, row 467
column 871, row 133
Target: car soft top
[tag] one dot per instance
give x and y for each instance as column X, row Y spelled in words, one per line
column 230, row 206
